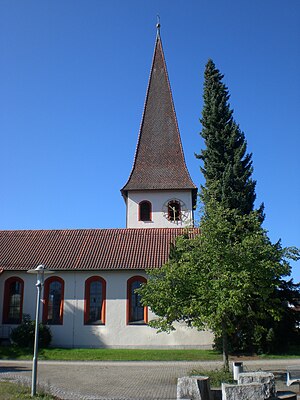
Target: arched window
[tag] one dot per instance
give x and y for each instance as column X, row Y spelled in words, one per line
column 53, row 301
column 13, row 300
column 145, row 211
column 94, row 301
column 136, row 312
column 174, row 210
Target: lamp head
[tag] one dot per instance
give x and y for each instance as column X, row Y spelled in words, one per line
column 40, row 271
column 40, row 268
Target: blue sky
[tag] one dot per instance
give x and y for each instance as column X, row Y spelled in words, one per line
column 73, row 78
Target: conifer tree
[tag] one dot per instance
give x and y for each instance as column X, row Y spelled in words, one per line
column 227, row 167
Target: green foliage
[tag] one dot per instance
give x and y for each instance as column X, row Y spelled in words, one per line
column 259, row 333
column 270, row 339
column 227, row 169
column 227, row 166
column 23, row 335
column 212, row 281
column 15, row 391
column 216, row 376
column 228, row 278
column 265, row 336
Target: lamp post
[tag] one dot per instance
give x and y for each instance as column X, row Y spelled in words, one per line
column 40, row 271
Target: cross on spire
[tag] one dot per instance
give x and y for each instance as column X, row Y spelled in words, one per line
column 158, row 26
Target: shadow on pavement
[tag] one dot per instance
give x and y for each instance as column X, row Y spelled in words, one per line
column 14, row 369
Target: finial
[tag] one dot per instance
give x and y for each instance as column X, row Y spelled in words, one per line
column 158, row 25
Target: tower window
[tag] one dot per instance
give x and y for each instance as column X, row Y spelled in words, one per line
column 174, row 210
column 145, row 211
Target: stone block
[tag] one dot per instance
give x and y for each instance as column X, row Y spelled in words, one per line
column 267, row 379
column 251, row 391
column 193, row 388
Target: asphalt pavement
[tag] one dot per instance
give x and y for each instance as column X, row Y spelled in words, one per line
column 140, row 380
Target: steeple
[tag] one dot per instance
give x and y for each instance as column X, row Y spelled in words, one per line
column 159, row 162
column 159, row 192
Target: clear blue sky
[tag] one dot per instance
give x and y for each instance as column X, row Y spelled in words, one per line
column 73, row 78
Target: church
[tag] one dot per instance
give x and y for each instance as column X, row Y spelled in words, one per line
column 89, row 300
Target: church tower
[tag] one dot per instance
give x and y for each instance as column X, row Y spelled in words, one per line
column 159, row 192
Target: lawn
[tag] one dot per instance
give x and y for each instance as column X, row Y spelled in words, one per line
column 17, row 353
column 11, row 391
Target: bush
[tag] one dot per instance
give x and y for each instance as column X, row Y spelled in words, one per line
column 23, row 335
column 216, row 376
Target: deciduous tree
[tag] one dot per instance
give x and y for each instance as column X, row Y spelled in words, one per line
column 211, row 280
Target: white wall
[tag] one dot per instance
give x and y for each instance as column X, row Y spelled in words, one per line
column 157, row 198
column 115, row 333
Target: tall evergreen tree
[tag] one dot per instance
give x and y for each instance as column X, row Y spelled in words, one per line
column 227, row 169
column 227, row 165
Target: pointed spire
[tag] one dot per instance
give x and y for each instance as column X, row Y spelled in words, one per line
column 159, row 161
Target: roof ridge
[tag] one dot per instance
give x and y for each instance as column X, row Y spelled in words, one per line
column 91, row 230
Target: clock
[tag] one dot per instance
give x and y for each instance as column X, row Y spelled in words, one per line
column 175, row 210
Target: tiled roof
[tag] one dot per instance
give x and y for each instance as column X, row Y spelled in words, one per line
column 88, row 249
column 159, row 160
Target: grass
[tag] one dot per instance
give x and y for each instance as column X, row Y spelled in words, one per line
column 11, row 391
column 67, row 354
column 293, row 352
column 17, row 353
column 216, row 376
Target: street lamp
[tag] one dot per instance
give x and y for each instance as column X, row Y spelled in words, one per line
column 40, row 271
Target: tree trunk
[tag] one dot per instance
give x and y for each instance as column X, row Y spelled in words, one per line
column 225, row 349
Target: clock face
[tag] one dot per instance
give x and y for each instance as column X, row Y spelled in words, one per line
column 175, row 210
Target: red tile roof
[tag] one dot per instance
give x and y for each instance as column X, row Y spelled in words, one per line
column 88, row 249
column 159, row 160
